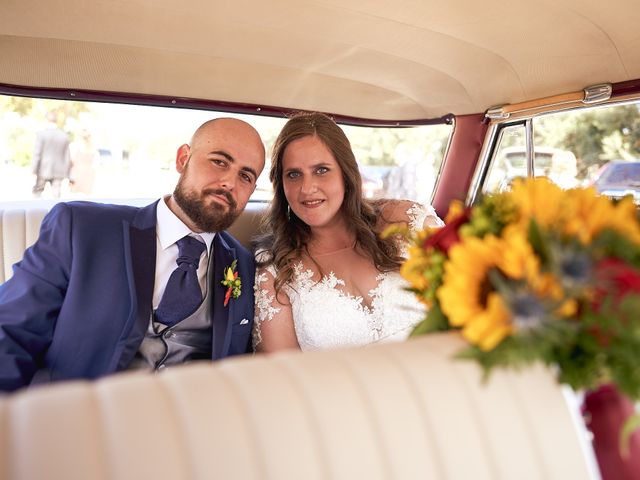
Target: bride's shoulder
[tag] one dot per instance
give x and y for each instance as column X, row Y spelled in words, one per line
column 265, row 269
column 415, row 215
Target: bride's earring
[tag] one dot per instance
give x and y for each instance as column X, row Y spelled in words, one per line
column 288, row 212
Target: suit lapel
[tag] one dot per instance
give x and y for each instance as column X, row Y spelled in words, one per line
column 140, row 256
column 223, row 255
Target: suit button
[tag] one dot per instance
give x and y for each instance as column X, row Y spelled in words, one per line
column 168, row 334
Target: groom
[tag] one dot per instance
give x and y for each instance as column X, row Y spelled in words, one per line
column 107, row 288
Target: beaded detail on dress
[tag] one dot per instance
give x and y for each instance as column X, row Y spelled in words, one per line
column 327, row 317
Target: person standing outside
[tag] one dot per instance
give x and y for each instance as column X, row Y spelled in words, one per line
column 51, row 158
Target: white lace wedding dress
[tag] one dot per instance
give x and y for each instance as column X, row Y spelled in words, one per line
column 324, row 312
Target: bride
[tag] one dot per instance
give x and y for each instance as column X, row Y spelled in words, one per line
column 325, row 278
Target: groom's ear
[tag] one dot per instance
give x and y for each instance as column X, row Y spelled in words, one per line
column 182, row 157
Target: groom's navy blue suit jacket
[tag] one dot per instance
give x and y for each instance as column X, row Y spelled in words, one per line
column 80, row 301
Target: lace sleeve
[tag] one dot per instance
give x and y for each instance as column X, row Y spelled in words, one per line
column 273, row 327
column 422, row 216
column 416, row 215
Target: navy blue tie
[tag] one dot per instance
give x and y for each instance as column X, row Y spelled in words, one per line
column 182, row 296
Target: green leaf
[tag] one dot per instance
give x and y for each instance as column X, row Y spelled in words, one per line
column 614, row 244
column 435, row 321
column 539, row 241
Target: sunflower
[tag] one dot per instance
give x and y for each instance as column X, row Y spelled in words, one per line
column 413, row 269
column 590, row 213
column 518, row 260
column 538, row 198
column 423, row 266
column 469, row 300
column 484, row 319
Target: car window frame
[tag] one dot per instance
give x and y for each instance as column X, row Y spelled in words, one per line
column 490, row 147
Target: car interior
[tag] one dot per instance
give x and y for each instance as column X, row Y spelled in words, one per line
column 489, row 91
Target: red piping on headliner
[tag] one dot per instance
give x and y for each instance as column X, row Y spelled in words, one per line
column 194, row 103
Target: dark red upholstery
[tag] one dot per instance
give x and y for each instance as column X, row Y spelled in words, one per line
column 606, row 411
column 459, row 165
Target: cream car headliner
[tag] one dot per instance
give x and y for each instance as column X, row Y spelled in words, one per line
column 376, row 59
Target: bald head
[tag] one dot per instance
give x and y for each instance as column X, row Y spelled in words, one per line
column 228, row 127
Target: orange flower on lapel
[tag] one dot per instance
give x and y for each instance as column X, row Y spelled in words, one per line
column 232, row 282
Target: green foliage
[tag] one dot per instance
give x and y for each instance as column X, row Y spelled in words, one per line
column 22, row 106
column 611, row 243
column 28, row 114
column 489, row 216
column 435, row 321
column 598, row 348
column 385, row 146
column 434, row 275
column 516, row 352
column 579, row 361
column 623, row 343
column 595, row 136
column 20, row 141
column 539, row 241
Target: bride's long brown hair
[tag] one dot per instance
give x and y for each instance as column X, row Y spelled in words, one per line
column 289, row 235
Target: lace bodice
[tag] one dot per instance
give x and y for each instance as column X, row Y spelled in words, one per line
column 326, row 316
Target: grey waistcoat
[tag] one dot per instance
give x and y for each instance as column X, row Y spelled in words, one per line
column 191, row 339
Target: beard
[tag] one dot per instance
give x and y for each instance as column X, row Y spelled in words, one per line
column 207, row 216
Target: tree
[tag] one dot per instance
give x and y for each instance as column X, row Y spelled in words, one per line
column 22, row 117
column 595, row 136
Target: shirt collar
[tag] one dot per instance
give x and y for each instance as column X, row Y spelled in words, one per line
column 170, row 228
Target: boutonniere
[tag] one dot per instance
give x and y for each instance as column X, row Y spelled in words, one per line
column 232, row 282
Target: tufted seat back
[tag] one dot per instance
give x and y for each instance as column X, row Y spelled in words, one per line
column 393, row 411
column 19, row 229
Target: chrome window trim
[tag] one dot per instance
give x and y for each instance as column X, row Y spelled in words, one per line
column 528, row 133
column 445, row 156
column 494, row 132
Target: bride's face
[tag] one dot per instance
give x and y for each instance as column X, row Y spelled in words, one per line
column 312, row 181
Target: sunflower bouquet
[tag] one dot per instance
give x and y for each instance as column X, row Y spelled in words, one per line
column 537, row 274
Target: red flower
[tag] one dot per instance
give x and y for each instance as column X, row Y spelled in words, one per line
column 232, row 282
column 227, row 295
column 614, row 278
column 448, row 236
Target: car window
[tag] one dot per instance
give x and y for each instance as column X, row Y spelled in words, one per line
column 128, row 151
column 509, row 159
column 621, row 174
column 401, row 163
column 598, row 146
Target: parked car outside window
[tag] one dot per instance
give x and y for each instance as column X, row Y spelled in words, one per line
column 619, row 178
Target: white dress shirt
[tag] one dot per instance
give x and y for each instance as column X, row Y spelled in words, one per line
column 169, row 230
